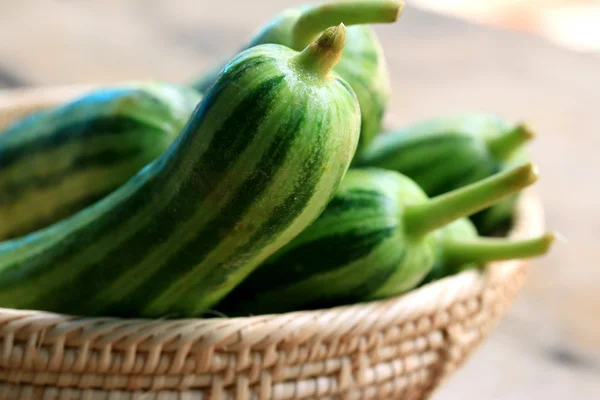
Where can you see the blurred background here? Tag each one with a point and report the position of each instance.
(532, 60)
(569, 23)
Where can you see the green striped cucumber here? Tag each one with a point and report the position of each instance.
(256, 163)
(377, 238)
(449, 152)
(363, 64)
(460, 248)
(58, 161)
(366, 70)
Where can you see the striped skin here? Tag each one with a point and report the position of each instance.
(356, 250)
(255, 164)
(445, 153)
(56, 162)
(363, 66)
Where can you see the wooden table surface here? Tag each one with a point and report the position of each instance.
(548, 347)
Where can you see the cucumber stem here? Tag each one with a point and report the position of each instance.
(508, 142)
(316, 18)
(420, 219)
(324, 53)
(484, 250)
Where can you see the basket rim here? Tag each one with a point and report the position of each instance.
(425, 300)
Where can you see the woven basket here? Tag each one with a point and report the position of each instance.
(401, 348)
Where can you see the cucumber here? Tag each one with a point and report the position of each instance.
(377, 238)
(448, 152)
(58, 161)
(460, 248)
(363, 64)
(258, 160)
(365, 68)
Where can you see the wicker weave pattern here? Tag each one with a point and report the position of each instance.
(399, 348)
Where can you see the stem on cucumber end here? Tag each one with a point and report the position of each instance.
(324, 53)
(505, 144)
(420, 219)
(483, 250)
(350, 12)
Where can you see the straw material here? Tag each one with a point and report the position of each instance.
(403, 347)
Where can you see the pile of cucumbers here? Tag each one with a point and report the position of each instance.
(268, 184)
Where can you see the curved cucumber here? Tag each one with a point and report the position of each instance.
(256, 163)
(365, 68)
(445, 153)
(377, 238)
(363, 64)
(461, 248)
(56, 162)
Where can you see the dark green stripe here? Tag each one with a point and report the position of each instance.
(74, 132)
(12, 192)
(234, 123)
(450, 170)
(246, 118)
(234, 71)
(59, 213)
(293, 205)
(361, 292)
(390, 150)
(435, 157)
(456, 179)
(355, 199)
(107, 222)
(480, 173)
(321, 256)
(377, 280)
(229, 143)
(416, 141)
(284, 213)
(109, 219)
(269, 296)
(222, 225)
